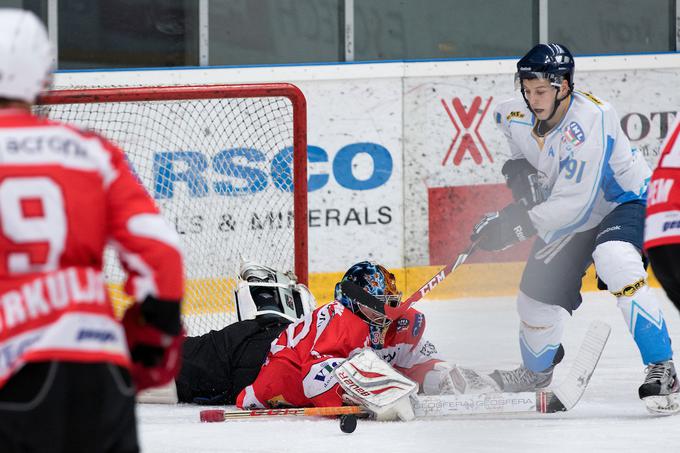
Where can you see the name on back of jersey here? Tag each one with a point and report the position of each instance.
(659, 191)
(36, 144)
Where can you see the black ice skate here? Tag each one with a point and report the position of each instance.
(522, 379)
(660, 391)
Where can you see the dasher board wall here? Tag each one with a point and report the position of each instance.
(405, 157)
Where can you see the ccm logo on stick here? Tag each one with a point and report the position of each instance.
(434, 281)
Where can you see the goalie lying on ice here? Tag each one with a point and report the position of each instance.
(366, 314)
(299, 345)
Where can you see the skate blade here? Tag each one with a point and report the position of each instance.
(663, 404)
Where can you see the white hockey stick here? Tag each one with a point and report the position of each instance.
(561, 398)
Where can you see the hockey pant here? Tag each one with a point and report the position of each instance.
(68, 407)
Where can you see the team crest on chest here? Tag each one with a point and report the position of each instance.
(573, 135)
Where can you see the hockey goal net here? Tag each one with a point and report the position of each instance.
(227, 166)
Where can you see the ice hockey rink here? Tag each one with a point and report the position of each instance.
(479, 333)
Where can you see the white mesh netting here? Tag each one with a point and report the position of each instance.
(221, 172)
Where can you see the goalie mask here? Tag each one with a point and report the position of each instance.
(370, 291)
(266, 292)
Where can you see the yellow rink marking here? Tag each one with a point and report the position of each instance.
(215, 295)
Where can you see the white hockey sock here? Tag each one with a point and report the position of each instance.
(540, 332)
(645, 322)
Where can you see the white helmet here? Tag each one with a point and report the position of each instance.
(26, 56)
(263, 291)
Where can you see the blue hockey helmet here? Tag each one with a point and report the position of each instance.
(370, 291)
(552, 62)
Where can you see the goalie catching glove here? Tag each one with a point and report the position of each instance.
(154, 337)
(370, 382)
(500, 230)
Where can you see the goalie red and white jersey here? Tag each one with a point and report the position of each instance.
(64, 194)
(662, 225)
(298, 369)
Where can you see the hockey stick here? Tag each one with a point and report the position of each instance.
(561, 398)
(438, 278)
(219, 415)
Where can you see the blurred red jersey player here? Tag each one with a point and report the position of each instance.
(67, 365)
(662, 227)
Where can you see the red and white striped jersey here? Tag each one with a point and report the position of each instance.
(65, 194)
(298, 369)
(662, 225)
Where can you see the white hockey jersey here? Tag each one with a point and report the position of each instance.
(585, 163)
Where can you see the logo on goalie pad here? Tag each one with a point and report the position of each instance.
(350, 384)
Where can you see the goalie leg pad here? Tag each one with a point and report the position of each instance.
(371, 382)
(540, 332)
(619, 265)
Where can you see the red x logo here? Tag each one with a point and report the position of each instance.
(467, 118)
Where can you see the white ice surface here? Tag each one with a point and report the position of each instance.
(478, 333)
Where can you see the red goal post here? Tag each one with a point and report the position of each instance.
(227, 164)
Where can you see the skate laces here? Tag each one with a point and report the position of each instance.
(520, 375)
(656, 372)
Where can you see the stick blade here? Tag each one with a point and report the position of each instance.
(570, 391)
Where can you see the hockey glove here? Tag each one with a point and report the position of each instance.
(154, 337)
(522, 179)
(500, 230)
